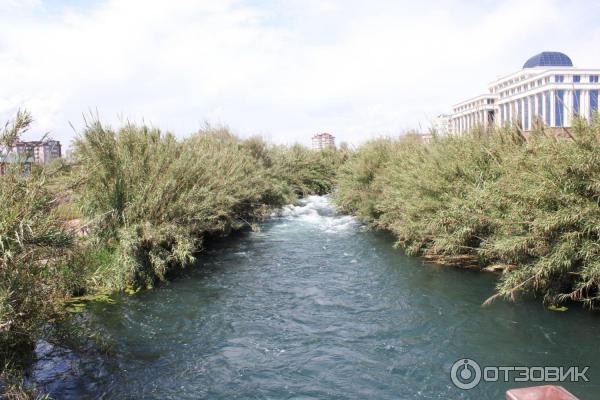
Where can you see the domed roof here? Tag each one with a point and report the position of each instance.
(549, 59)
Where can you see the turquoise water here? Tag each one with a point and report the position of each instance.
(314, 306)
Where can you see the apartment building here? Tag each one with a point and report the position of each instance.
(322, 141)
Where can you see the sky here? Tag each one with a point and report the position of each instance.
(281, 69)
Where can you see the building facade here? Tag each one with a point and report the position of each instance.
(42, 152)
(548, 90)
(322, 141)
(442, 124)
(479, 111)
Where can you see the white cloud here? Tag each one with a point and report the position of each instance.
(12, 5)
(286, 69)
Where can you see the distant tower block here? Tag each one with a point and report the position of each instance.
(323, 141)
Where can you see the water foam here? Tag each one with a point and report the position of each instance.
(317, 210)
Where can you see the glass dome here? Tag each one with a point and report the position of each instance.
(549, 59)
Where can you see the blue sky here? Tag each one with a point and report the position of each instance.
(283, 69)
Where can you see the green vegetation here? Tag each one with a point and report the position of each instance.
(305, 171)
(528, 208)
(153, 199)
(36, 252)
(136, 204)
(133, 205)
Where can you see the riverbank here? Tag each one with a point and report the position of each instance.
(528, 208)
(146, 199)
(315, 305)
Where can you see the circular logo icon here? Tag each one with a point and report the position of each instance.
(465, 374)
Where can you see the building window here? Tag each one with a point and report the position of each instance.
(559, 78)
(559, 99)
(593, 102)
(593, 78)
(576, 101)
(576, 78)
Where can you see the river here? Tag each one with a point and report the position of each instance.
(315, 306)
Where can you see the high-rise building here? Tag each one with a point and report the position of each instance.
(42, 152)
(548, 89)
(322, 141)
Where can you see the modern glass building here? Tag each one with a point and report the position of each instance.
(548, 90)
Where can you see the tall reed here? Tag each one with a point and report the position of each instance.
(152, 198)
(529, 208)
(35, 252)
(133, 205)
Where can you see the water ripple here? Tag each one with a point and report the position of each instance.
(315, 307)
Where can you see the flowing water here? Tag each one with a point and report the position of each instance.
(314, 306)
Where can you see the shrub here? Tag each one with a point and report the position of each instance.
(357, 192)
(529, 208)
(35, 252)
(306, 171)
(152, 198)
